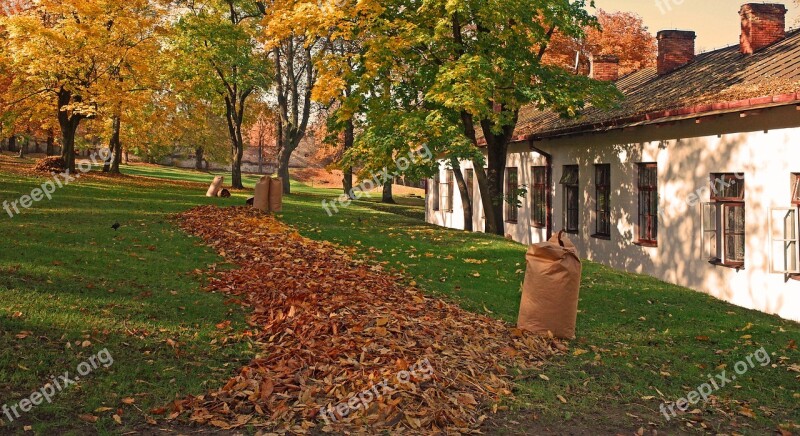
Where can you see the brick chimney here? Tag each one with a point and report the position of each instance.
(604, 67)
(762, 25)
(675, 49)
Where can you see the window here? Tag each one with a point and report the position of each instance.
(648, 204)
(724, 221)
(435, 192)
(785, 244)
(512, 189)
(796, 188)
(571, 198)
(447, 191)
(603, 197)
(539, 197)
(469, 180)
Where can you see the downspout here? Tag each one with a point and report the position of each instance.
(548, 158)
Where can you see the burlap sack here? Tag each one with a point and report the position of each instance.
(261, 197)
(276, 194)
(551, 288)
(216, 185)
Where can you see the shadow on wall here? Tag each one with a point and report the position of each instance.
(684, 168)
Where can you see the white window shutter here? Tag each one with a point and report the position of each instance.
(784, 230)
(710, 231)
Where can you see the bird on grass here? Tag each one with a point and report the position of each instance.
(115, 226)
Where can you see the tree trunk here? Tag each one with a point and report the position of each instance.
(198, 158)
(466, 201)
(387, 193)
(22, 147)
(69, 126)
(51, 146)
(236, 167)
(495, 182)
(283, 169)
(116, 146)
(349, 139)
(12, 143)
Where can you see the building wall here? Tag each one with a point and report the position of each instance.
(764, 147)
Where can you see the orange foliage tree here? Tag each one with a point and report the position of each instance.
(620, 33)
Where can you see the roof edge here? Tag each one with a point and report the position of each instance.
(664, 116)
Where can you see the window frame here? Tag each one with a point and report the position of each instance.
(602, 187)
(736, 179)
(449, 179)
(435, 191)
(648, 237)
(722, 204)
(795, 189)
(539, 196)
(567, 188)
(512, 188)
(785, 240)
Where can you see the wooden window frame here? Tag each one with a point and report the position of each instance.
(539, 197)
(722, 204)
(731, 180)
(435, 191)
(647, 224)
(512, 188)
(796, 189)
(602, 188)
(571, 186)
(449, 178)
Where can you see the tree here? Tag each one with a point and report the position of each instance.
(460, 73)
(70, 55)
(296, 35)
(622, 34)
(220, 35)
(261, 128)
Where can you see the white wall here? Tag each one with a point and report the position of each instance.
(684, 163)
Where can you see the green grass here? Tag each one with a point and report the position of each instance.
(67, 277)
(641, 341)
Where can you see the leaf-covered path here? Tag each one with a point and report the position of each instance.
(340, 336)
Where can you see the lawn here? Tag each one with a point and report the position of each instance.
(71, 286)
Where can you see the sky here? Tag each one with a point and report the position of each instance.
(715, 21)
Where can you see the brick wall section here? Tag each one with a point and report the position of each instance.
(605, 68)
(675, 49)
(762, 25)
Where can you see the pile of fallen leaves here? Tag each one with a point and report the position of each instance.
(332, 326)
(49, 165)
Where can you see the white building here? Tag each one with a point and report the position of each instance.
(695, 179)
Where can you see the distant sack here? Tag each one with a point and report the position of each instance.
(215, 187)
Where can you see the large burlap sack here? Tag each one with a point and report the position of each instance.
(276, 194)
(551, 288)
(215, 187)
(261, 197)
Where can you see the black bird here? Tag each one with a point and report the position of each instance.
(115, 226)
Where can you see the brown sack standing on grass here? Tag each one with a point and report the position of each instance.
(215, 187)
(550, 291)
(276, 194)
(262, 195)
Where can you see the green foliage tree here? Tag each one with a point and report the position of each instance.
(219, 37)
(466, 69)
